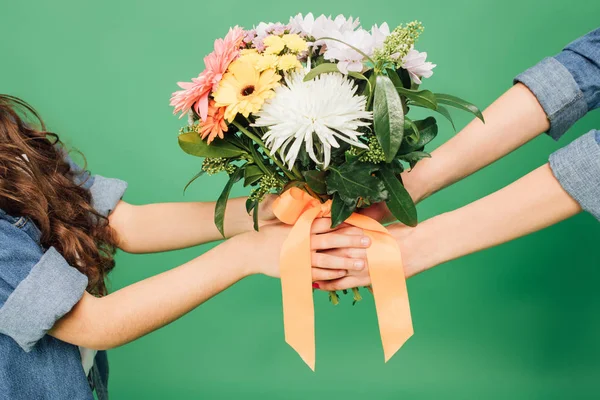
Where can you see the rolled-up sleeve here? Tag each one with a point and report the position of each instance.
(577, 168)
(38, 288)
(106, 193)
(567, 85)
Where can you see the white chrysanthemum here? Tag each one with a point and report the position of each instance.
(414, 62)
(323, 110)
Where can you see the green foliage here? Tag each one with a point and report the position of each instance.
(388, 117)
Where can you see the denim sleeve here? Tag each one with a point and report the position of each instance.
(577, 168)
(36, 288)
(106, 192)
(567, 85)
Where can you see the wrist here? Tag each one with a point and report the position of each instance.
(423, 247)
(243, 247)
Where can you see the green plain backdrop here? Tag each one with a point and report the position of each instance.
(519, 321)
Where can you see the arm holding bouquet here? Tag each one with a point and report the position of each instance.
(569, 183)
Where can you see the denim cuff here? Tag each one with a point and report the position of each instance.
(50, 291)
(106, 193)
(558, 93)
(577, 168)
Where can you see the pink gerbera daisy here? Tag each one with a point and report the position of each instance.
(195, 93)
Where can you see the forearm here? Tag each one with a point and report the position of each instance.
(511, 121)
(138, 309)
(532, 203)
(169, 226)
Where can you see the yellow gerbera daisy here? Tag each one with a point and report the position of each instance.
(295, 43)
(243, 90)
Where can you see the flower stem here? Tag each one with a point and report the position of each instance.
(265, 148)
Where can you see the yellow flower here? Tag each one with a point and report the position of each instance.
(243, 90)
(251, 56)
(267, 61)
(274, 44)
(288, 62)
(295, 43)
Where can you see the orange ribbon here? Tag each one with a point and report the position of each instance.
(298, 208)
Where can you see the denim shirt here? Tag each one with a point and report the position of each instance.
(37, 288)
(568, 86)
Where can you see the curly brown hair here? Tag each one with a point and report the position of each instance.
(37, 182)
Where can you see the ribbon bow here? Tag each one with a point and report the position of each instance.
(298, 208)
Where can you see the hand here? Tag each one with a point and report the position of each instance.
(379, 212)
(360, 277)
(264, 249)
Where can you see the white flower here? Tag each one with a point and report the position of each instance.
(414, 63)
(345, 30)
(318, 27)
(325, 109)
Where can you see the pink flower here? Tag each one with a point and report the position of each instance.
(414, 62)
(195, 93)
(214, 125)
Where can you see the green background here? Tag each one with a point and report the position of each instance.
(519, 321)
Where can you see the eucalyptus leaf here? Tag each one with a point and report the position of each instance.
(388, 117)
(340, 210)
(223, 198)
(459, 103)
(252, 174)
(192, 144)
(399, 201)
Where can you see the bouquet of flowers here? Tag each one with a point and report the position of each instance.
(321, 104)
(317, 106)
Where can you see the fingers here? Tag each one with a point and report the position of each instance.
(329, 261)
(336, 240)
(323, 225)
(347, 282)
(320, 274)
(347, 253)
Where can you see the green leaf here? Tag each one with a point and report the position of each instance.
(252, 174)
(357, 75)
(388, 117)
(424, 98)
(355, 180)
(443, 111)
(459, 103)
(404, 78)
(255, 217)
(409, 126)
(316, 180)
(198, 175)
(192, 144)
(414, 157)
(250, 204)
(321, 69)
(222, 201)
(340, 210)
(428, 130)
(399, 201)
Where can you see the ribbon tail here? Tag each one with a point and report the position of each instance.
(296, 287)
(389, 285)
